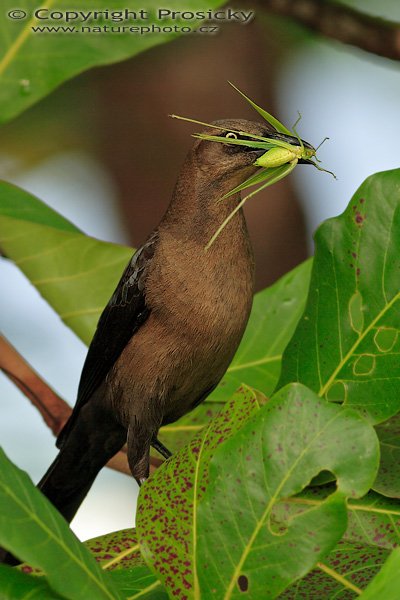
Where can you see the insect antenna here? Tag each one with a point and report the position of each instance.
(320, 144)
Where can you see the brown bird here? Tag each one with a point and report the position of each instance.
(172, 326)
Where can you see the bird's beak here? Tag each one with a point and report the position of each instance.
(258, 152)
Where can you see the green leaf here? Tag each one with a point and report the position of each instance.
(387, 583)
(119, 554)
(33, 64)
(18, 204)
(75, 273)
(138, 582)
(33, 530)
(372, 520)
(342, 574)
(346, 346)
(15, 585)
(167, 506)
(178, 434)
(119, 549)
(387, 481)
(275, 455)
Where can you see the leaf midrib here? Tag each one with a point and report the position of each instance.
(269, 507)
(20, 40)
(57, 540)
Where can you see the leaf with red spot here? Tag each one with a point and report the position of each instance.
(119, 549)
(167, 505)
(274, 456)
(119, 554)
(387, 481)
(343, 574)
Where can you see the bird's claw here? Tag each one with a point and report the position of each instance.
(157, 445)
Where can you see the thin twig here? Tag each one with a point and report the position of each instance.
(54, 410)
(342, 23)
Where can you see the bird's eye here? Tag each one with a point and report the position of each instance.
(232, 136)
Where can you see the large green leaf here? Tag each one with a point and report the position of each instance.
(167, 506)
(346, 346)
(33, 64)
(15, 585)
(33, 530)
(20, 205)
(75, 273)
(274, 456)
(182, 519)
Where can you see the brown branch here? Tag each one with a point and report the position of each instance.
(342, 23)
(54, 410)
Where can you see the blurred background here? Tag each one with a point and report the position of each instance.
(102, 151)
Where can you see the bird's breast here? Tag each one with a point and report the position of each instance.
(199, 304)
(203, 292)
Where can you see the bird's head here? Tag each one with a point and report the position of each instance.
(234, 163)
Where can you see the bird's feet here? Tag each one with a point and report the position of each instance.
(157, 445)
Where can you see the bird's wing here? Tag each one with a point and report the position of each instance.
(124, 314)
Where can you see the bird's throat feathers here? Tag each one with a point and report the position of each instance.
(197, 207)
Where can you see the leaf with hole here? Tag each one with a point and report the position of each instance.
(372, 520)
(274, 456)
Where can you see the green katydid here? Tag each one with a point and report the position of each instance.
(280, 158)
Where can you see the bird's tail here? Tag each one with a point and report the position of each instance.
(89, 446)
(65, 496)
